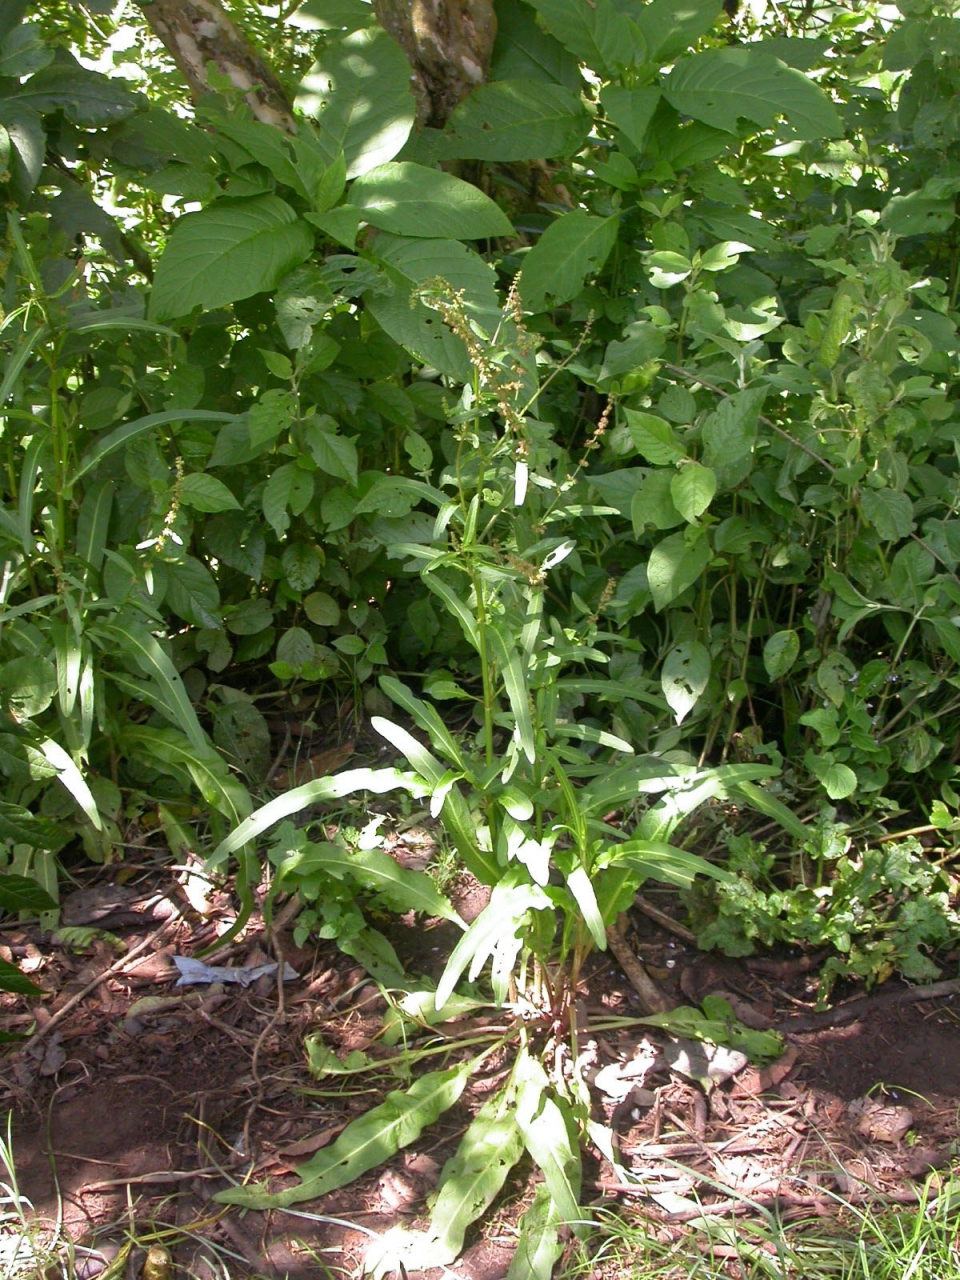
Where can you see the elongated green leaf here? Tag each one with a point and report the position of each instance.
(471, 1180)
(15, 364)
(229, 251)
(500, 919)
(359, 95)
(770, 807)
(570, 249)
(403, 889)
(375, 952)
(539, 1245)
(92, 524)
(578, 882)
(365, 1143)
(596, 32)
(665, 862)
(154, 662)
(725, 85)
(425, 715)
(515, 684)
(515, 120)
(172, 752)
(69, 774)
(130, 430)
(455, 606)
(69, 654)
(427, 765)
(546, 1137)
(311, 793)
(412, 200)
(29, 470)
(21, 826)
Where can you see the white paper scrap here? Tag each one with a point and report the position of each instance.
(195, 972)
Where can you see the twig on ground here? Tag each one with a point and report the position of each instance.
(651, 997)
(112, 971)
(661, 918)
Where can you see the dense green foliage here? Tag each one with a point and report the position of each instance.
(615, 423)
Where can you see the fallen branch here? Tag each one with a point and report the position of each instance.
(853, 1010)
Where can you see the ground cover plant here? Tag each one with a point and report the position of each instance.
(582, 423)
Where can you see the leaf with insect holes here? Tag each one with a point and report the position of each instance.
(684, 677)
(780, 653)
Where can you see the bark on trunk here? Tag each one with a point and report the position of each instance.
(448, 44)
(198, 32)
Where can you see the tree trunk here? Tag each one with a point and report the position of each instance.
(198, 32)
(448, 44)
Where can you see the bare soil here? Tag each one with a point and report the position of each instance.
(145, 1098)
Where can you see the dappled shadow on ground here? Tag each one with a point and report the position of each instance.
(157, 1096)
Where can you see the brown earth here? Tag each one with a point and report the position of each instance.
(125, 1107)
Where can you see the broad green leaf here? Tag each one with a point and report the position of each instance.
(515, 120)
(631, 110)
(289, 489)
(539, 1244)
(674, 566)
(229, 251)
(838, 780)
(333, 453)
(547, 1138)
(22, 827)
(375, 952)
(672, 26)
(192, 593)
(729, 435)
(684, 677)
(524, 51)
(780, 652)
(722, 86)
(692, 490)
(653, 438)
(332, 15)
(516, 685)
(11, 979)
(474, 1176)
(20, 893)
(359, 95)
(652, 504)
(27, 145)
(409, 321)
(365, 1143)
(596, 32)
(206, 493)
(573, 247)
(27, 686)
(578, 882)
(85, 97)
(889, 511)
(411, 200)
